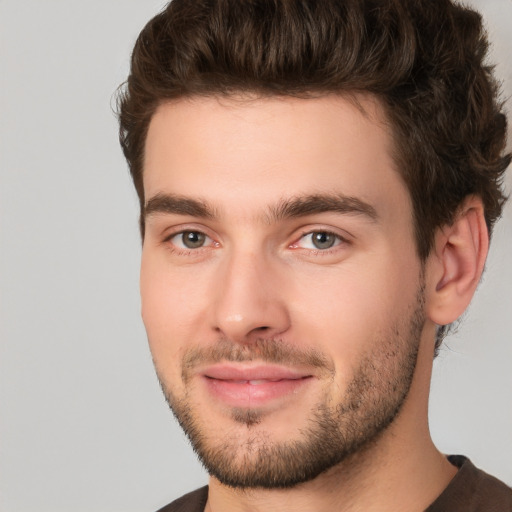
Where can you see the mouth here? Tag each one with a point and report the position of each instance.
(249, 387)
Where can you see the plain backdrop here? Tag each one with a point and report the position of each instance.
(83, 424)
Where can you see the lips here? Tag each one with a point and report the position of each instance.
(252, 373)
(240, 386)
(257, 382)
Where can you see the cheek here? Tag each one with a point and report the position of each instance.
(171, 302)
(347, 310)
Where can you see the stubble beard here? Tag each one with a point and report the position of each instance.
(335, 433)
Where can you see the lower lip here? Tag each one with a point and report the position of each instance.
(245, 394)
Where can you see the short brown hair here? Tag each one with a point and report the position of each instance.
(424, 60)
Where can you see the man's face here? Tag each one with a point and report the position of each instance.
(281, 291)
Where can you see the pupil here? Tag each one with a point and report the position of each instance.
(193, 239)
(322, 240)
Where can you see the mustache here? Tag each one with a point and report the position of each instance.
(272, 351)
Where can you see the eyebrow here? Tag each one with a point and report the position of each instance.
(178, 205)
(321, 203)
(300, 206)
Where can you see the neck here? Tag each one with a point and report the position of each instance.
(398, 483)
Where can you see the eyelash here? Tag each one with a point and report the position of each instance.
(187, 250)
(339, 240)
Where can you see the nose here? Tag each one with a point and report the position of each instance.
(249, 299)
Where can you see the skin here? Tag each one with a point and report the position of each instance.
(260, 276)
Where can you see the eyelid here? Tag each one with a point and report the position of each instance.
(341, 239)
(181, 244)
(184, 228)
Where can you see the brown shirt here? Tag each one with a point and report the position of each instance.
(471, 490)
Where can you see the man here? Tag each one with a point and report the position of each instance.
(318, 182)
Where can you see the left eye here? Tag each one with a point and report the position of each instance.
(190, 240)
(319, 240)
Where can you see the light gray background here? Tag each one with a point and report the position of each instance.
(83, 425)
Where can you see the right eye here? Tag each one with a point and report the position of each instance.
(190, 240)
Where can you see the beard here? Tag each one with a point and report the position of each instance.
(248, 457)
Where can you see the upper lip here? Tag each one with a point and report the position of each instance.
(247, 373)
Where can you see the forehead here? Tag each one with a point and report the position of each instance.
(265, 149)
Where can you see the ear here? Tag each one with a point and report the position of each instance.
(456, 264)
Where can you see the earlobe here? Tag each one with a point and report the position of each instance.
(457, 263)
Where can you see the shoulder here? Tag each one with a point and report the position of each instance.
(194, 501)
(473, 490)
